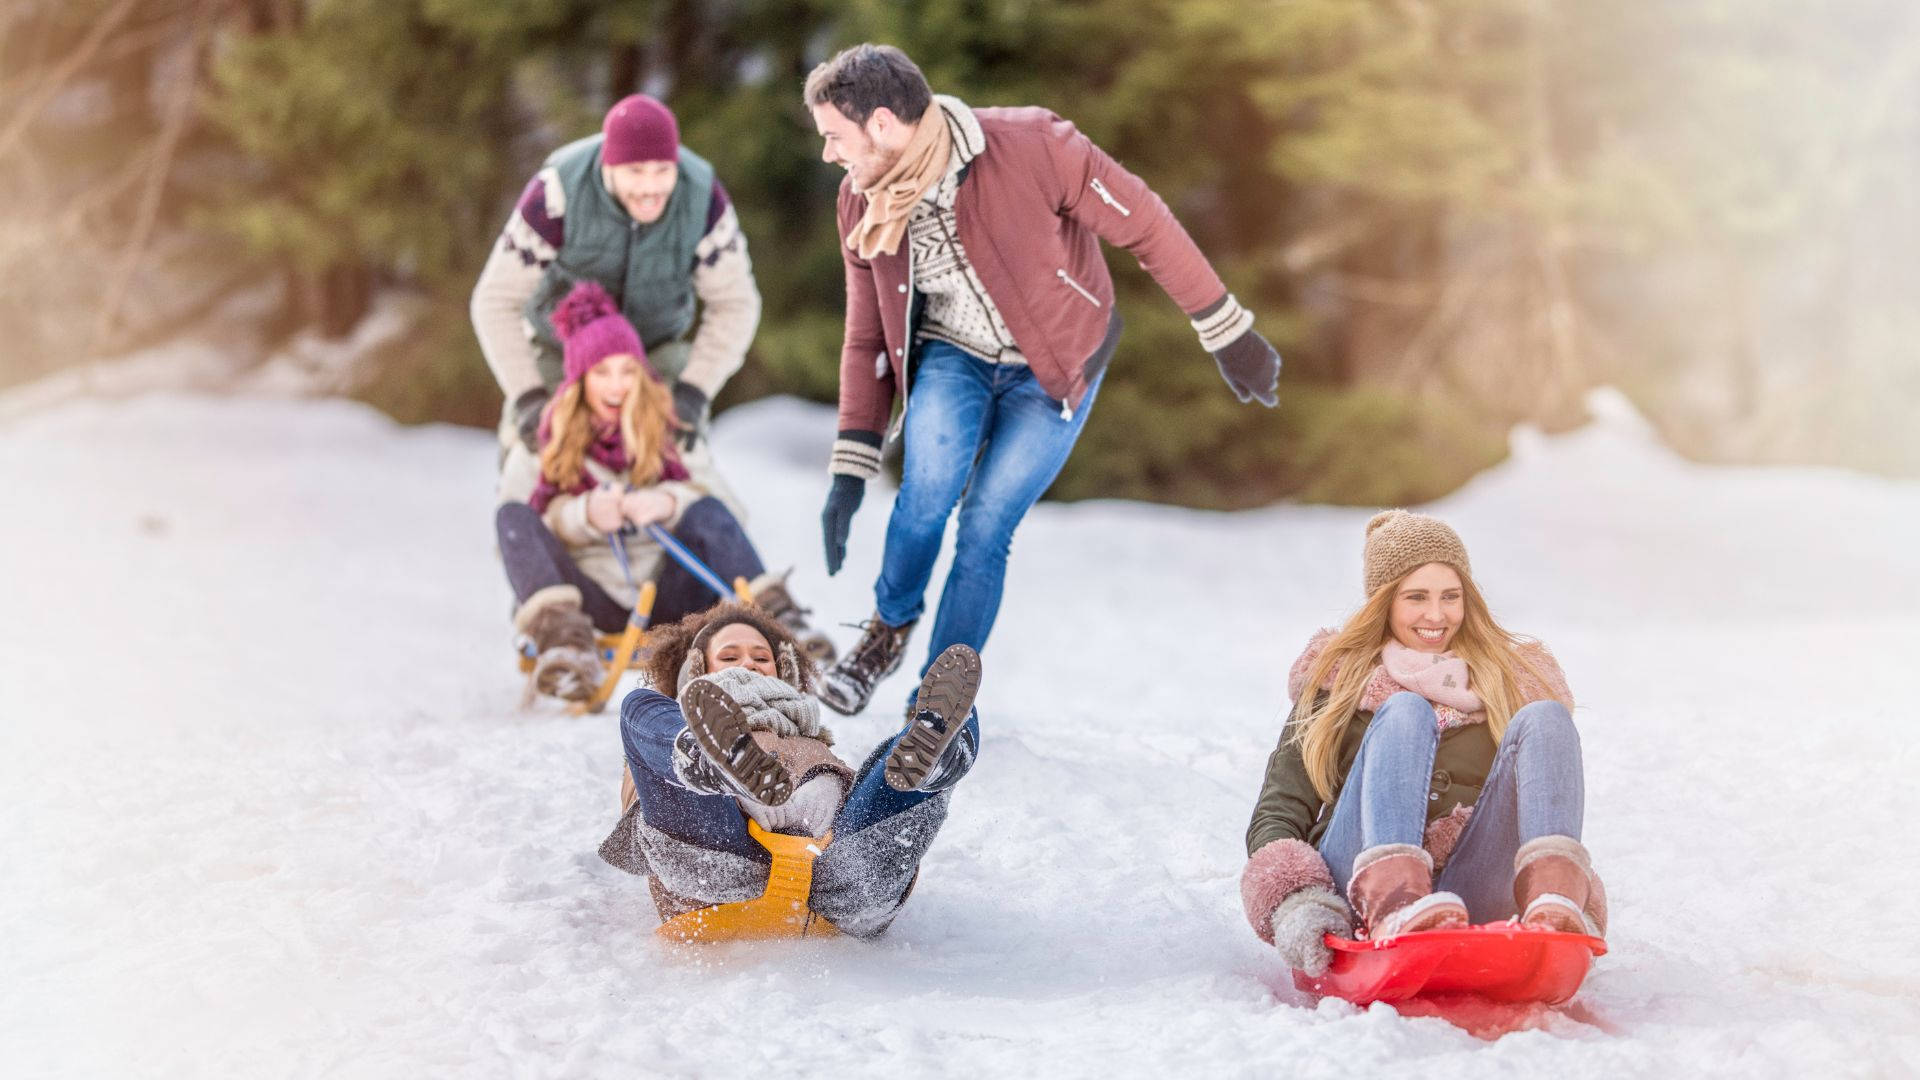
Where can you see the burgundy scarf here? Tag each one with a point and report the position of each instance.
(608, 449)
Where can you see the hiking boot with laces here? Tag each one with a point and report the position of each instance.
(848, 685)
(771, 595)
(919, 758)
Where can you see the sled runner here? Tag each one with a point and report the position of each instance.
(780, 912)
(1500, 961)
(618, 652)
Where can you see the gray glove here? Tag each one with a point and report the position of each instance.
(1300, 922)
(690, 406)
(809, 811)
(526, 415)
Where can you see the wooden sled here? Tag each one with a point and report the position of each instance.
(618, 652)
(780, 912)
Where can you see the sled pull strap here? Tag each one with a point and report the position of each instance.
(690, 561)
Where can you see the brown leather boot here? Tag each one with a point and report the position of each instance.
(1392, 890)
(1554, 887)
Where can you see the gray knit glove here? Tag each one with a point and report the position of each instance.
(1302, 920)
(690, 407)
(809, 811)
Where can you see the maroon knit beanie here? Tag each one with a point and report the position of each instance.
(591, 329)
(639, 128)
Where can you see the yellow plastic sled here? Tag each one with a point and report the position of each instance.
(780, 912)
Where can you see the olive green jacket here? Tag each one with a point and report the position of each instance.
(1289, 808)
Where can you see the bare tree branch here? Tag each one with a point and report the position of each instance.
(23, 117)
(179, 111)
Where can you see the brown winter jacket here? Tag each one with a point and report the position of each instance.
(1031, 210)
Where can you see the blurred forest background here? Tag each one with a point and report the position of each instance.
(1450, 215)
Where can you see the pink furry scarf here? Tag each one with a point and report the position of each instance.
(1382, 685)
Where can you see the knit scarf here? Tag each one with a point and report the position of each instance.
(610, 451)
(890, 201)
(1425, 674)
(771, 704)
(1439, 677)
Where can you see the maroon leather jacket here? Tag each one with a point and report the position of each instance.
(1031, 210)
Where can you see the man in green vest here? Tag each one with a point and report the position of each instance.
(645, 217)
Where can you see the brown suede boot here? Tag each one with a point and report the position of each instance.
(566, 650)
(1554, 887)
(1392, 890)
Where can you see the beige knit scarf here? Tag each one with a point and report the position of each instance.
(889, 202)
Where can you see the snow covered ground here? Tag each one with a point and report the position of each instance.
(271, 809)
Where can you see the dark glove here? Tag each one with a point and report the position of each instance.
(842, 500)
(1251, 367)
(526, 415)
(690, 405)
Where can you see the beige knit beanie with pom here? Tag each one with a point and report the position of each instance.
(1400, 541)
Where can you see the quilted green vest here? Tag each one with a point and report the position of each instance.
(648, 268)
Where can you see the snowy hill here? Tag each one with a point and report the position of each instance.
(272, 809)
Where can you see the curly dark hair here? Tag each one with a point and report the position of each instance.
(670, 643)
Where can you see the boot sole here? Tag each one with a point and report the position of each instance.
(947, 691)
(719, 725)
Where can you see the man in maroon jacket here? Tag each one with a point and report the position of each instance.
(977, 295)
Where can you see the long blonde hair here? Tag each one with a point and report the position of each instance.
(646, 418)
(1494, 656)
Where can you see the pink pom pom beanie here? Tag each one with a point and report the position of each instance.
(591, 329)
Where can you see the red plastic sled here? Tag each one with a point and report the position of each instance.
(1499, 961)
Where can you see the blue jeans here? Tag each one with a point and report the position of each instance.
(1535, 788)
(990, 433)
(648, 723)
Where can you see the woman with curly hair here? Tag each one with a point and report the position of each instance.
(730, 730)
(609, 467)
(1429, 775)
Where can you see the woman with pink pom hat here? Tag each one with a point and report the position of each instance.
(609, 465)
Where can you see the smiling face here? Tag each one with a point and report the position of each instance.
(643, 187)
(608, 385)
(867, 151)
(740, 645)
(1428, 606)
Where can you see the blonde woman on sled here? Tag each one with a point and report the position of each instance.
(726, 750)
(1429, 775)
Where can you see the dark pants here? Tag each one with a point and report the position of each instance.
(536, 559)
